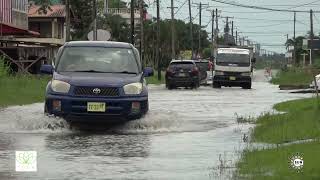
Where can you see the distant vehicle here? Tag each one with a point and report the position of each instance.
(203, 66)
(97, 79)
(182, 73)
(233, 67)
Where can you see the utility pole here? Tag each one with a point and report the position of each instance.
(132, 21)
(213, 34)
(158, 41)
(94, 20)
(200, 10)
(67, 20)
(294, 38)
(191, 31)
(173, 51)
(232, 28)
(236, 38)
(227, 22)
(311, 37)
(217, 28)
(217, 22)
(311, 54)
(200, 16)
(141, 32)
(227, 26)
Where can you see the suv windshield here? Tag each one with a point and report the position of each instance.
(233, 58)
(97, 59)
(182, 65)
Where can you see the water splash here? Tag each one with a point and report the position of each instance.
(31, 119)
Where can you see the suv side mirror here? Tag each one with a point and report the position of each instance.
(46, 69)
(148, 71)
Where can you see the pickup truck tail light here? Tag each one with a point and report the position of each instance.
(195, 71)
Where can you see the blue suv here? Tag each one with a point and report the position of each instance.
(104, 80)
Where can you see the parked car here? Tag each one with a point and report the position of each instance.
(97, 79)
(182, 73)
(203, 66)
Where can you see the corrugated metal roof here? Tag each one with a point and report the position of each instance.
(56, 11)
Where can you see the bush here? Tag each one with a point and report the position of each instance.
(294, 76)
(4, 67)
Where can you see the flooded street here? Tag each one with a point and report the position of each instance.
(182, 137)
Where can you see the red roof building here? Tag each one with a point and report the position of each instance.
(49, 24)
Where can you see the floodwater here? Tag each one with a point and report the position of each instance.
(187, 134)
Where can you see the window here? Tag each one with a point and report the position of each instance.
(110, 60)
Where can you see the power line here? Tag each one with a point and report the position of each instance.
(279, 20)
(246, 12)
(300, 5)
(269, 32)
(180, 7)
(261, 8)
(269, 25)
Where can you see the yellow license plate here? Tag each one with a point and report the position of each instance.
(232, 78)
(96, 107)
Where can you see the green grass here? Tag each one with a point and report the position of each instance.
(19, 90)
(273, 163)
(300, 122)
(154, 79)
(294, 76)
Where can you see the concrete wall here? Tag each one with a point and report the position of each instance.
(20, 19)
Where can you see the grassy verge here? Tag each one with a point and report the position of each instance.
(300, 122)
(273, 163)
(293, 76)
(19, 90)
(154, 79)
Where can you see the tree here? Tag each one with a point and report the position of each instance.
(44, 5)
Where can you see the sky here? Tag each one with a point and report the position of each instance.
(269, 28)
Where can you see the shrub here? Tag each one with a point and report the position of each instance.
(4, 67)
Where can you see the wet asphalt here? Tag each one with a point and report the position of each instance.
(187, 134)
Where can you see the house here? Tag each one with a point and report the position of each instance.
(49, 25)
(27, 37)
(125, 13)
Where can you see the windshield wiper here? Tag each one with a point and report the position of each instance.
(93, 71)
(126, 72)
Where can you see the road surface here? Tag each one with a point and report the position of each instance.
(187, 134)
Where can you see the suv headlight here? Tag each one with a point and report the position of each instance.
(60, 86)
(133, 88)
(246, 74)
(219, 73)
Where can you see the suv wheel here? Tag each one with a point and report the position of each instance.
(169, 86)
(247, 86)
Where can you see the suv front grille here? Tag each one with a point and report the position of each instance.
(89, 91)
